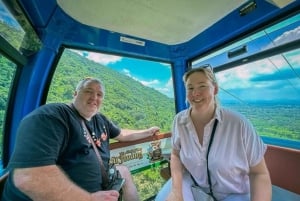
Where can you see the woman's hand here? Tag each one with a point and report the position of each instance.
(174, 196)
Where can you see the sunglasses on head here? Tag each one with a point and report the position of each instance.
(206, 66)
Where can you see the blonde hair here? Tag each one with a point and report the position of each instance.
(208, 72)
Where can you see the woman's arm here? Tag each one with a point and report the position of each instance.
(176, 173)
(260, 182)
(49, 183)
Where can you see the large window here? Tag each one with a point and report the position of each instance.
(6, 78)
(17, 31)
(138, 94)
(11, 37)
(269, 38)
(267, 90)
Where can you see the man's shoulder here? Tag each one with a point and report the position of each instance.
(51, 109)
(54, 105)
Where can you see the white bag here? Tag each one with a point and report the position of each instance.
(200, 195)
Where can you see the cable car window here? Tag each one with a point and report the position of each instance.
(276, 35)
(267, 92)
(138, 94)
(17, 30)
(8, 69)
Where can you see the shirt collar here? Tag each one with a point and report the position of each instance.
(185, 117)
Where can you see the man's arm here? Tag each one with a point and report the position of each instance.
(131, 135)
(260, 182)
(49, 183)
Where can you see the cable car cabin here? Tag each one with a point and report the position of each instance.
(140, 50)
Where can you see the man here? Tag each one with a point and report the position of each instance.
(54, 159)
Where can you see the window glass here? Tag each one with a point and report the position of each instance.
(267, 92)
(138, 94)
(17, 30)
(278, 34)
(6, 78)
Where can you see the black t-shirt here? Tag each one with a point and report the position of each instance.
(53, 135)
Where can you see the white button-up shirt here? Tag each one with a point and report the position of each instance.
(235, 148)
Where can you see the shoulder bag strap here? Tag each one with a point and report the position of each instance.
(102, 167)
(103, 172)
(209, 145)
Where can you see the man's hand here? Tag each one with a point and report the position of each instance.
(111, 195)
(154, 130)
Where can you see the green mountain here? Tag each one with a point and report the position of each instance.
(127, 102)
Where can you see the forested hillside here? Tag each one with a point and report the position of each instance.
(127, 102)
(6, 75)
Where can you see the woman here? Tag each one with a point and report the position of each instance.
(236, 162)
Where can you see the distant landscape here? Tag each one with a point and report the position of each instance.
(279, 120)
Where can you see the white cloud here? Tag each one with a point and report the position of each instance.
(103, 59)
(170, 83)
(165, 65)
(143, 82)
(127, 72)
(288, 36)
(155, 84)
(167, 89)
(149, 83)
(240, 77)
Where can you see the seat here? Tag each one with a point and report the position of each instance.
(278, 194)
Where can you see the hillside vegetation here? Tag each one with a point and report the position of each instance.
(127, 102)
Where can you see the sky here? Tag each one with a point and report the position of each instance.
(269, 80)
(276, 78)
(260, 80)
(149, 73)
(6, 16)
